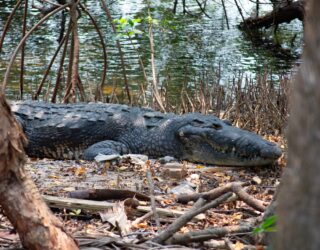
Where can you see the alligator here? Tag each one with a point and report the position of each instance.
(82, 131)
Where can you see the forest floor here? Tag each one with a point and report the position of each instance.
(131, 217)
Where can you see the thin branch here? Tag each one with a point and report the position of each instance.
(60, 69)
(248, 199)
(185, 218)
(24, 28)
(207, 234)
(22, 41)
(153, 201)
(104, 50)
(225, 14)
(7, 24)
(36, 96)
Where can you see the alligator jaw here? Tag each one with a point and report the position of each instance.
(228, 145)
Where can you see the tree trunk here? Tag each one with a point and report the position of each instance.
(36, 225)
(282, 14)
(299, 196)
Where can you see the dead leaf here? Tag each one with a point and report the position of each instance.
(143, 225)
(80, 171)
(238, 245)
(53, 176)
(257, 180)
(117, 217)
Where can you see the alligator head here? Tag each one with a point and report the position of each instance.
(210, 140)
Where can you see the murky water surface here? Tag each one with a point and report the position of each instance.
(187, 46)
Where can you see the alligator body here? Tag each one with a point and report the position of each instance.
(71, 131)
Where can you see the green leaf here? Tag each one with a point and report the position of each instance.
(137, 20)
(268, 225)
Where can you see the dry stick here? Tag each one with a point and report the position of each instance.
(153, 66)
(228, 244)
(104, 50)
(35, 97)
(62, 26)
(248, 199)
(207, 234)
(60, 69)
(142, 219)
(22, 41)
(225, 14)
(7, 24)
(210, 195)
(24, 28)
(184, 219)
(153, 200)
(106, 10)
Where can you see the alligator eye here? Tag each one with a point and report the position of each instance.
(227, 122)
(216, 126)
(197, 122)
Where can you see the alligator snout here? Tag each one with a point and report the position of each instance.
(271, 151)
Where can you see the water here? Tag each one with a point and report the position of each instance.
(186, 46)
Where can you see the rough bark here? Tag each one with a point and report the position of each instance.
(283, 14)
(37, 227)
(299, 195)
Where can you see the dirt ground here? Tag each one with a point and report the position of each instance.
(115, 228)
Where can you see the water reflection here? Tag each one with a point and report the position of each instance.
(186, 45)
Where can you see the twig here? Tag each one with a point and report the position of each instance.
(24, 28)
(35, 97)
(228, 244)
(210, 195)
(142, 219)
(60, 69)
(248, 199)
(207, 234)
(153, 200)
(7, 24)
(184, 219)
(104, 50)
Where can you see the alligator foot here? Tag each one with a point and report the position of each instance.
(107, 147)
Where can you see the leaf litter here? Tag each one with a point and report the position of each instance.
(131, 223)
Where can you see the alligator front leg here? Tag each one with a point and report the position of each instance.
(107, 147)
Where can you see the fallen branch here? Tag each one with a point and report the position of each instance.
(163, 212)
(199, 207)
(210, 195)
(207, 234)
(71, 203)
(279, 15)
(153, 200)
(107, 194)
(141, 219)
(248, 199)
